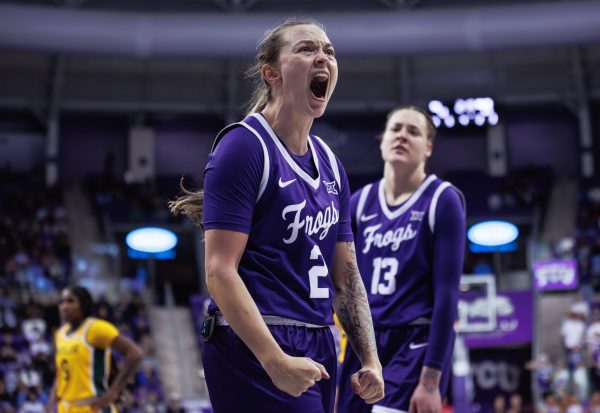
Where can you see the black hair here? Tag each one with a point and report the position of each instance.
(86, 302)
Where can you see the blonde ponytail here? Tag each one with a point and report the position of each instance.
(189, 204)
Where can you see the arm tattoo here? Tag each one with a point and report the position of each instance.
(352, 308)
(430, 379)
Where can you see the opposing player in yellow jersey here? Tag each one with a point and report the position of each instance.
(83, 346)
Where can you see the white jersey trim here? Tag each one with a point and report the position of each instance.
(382, 409)
(434, 201)
(266, 164)
(409, 203)
(332, 161)
(364, 193)
(314, 183)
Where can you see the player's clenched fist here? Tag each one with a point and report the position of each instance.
(295, 375)
(368, 384)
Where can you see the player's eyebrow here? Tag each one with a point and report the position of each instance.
(314, 43)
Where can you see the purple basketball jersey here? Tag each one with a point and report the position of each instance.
(395, 267)
(296, 223)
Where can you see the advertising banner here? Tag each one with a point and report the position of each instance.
(514, 318)
(555, 275)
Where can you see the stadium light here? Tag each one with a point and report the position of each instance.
(151, 240)
(493, 233)
(468, 111)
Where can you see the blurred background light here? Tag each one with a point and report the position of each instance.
(151, 239)
(493, 233)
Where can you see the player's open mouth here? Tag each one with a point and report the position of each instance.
(318, 85)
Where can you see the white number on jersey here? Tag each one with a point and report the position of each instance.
(315, 272)
(388, 285)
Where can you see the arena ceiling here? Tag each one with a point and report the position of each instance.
(287, 6)
(65, 80)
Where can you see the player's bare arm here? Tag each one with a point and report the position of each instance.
(293, 375)
(426, 397)
(132, 355)
(352, 307)
(52, 400)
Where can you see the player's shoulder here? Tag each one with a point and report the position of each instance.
(447, 204)
(98, 324)
(238, 146)
(238, 134)
(364, 198)
(371, 186)
(450, 193)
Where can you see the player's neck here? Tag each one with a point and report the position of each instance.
(74, 325)
(289, 126)
(399, 185)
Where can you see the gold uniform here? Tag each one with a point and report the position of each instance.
(83, 364)
(343, 339)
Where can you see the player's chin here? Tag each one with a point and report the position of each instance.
(318, 111)
(317, 107)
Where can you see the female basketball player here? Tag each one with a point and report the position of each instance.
(409, 231)
(83, 345)
(279, 250)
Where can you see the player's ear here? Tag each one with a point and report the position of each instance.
(428, 149)
(270, 74)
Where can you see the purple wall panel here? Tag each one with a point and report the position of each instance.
(85, 143)
(543, 138)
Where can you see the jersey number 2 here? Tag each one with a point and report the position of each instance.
(315, 272)
(388, 285)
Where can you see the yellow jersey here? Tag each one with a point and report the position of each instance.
(343, 339)
(83, 359)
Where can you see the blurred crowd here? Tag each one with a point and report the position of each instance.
(571, 382)
(588, 233)
(26, 359)
(35, 254)
(35, 264)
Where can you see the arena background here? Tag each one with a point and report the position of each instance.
(105, 105)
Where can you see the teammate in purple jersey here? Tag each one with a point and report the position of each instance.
(279, 250)
(409, 232)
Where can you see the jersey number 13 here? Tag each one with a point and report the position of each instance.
(384, 276)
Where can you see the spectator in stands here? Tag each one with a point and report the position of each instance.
(499, 404)
(147, 376)
(549, 404)
(543, 371)
(8, 319)
(5, 396)
(572, 331)
(30, 377)
(515, 404)
(175, 406)
(6, 407)
(33, 326)
(104, 310)
(592, 338)
(594, 402)
(8, 350)
(573, 404)
(580, 306)
(32, 403)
